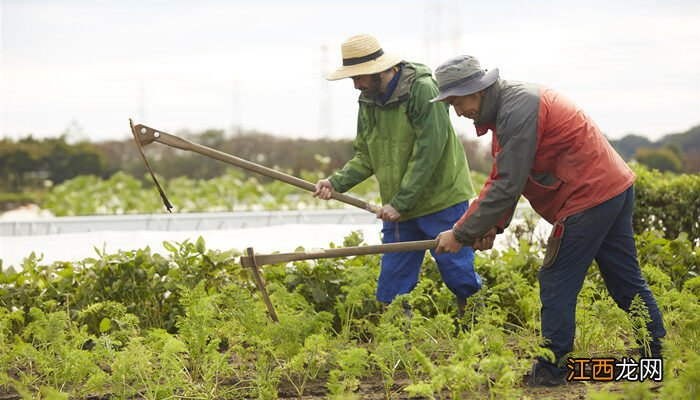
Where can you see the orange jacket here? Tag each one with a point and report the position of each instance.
(545, 148)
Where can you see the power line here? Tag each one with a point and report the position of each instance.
(325, 125)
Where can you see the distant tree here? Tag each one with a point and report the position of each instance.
(293, 155)
(27, 162)
(691, 161)
(17, 161)
(685, 145)
(64, 161)
(628, 145)
(121, 155)
(686, 140)
(479, 158)
(661, 159)
(688, 143)
(675, 148)
(7, 147)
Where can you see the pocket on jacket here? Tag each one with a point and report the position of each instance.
(537, 189)
(544, 181)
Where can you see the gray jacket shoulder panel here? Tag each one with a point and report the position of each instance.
(516, 112)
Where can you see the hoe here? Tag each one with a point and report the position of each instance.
(144, 135)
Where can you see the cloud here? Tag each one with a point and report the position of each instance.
(632, 65)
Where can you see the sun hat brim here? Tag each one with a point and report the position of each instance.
(382, 63)
(470, 87)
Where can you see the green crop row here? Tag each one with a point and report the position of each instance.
(233, 191)
(667, 202)
(191, 324)
(124, 194)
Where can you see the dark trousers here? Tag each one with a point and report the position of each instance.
(603, 233)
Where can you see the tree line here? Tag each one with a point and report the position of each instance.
(32, 164)
(678, 152)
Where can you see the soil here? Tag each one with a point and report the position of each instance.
(373, 389)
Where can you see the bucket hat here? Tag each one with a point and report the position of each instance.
(461, 76)
(362, 55)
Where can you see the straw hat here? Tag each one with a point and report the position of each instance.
(362, 55)
(461, 76)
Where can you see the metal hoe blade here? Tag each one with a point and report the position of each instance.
(143, 138)
(260, 283)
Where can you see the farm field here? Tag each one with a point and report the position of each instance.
(204, 200)
(181, 318)
(189, 323)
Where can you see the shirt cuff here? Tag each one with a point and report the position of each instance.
(396, 207)
(335, 183)
(462, 238)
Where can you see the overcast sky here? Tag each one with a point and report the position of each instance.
(88, 66)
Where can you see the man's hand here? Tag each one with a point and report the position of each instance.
(485, 242)
(388, 213)
(447, 243)
(324, 189)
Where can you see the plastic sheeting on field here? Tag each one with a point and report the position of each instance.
(78, 246)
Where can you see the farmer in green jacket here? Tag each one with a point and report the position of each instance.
(409, 144)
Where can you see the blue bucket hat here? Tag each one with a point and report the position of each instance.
(461, 76)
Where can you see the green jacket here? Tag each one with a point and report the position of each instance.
(410, 146)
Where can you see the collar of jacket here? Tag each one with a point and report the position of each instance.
(391, 86)
(489, 108)
(401, 92)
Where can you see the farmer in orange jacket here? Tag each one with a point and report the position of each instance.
(550, 151)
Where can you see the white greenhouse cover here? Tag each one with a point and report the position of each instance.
(76, 246)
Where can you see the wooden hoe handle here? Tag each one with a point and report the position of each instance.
(146, 135)
(267, 259)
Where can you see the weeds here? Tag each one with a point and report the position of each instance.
(191, 324)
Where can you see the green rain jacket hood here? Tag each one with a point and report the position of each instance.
(410, 146)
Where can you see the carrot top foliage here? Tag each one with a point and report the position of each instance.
(190, 323)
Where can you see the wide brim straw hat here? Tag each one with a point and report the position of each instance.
(462, 76)
(362, 55)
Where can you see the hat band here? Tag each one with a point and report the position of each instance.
(462, 81)
(363, 59)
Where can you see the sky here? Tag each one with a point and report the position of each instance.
(85, 67)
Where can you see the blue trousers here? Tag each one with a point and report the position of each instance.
(399, 271)
(603, 233)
